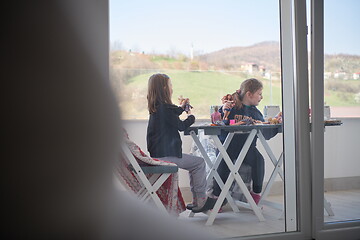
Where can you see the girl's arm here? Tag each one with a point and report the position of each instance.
(182, 125)
(173, 119)
(268, 133)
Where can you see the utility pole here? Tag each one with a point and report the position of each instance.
(271, 100)
(192, 52)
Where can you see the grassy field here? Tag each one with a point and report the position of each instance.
(341, 93)
(207, 88)
(203, 88)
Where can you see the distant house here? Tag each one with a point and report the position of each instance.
(327, 75)
(262, 70)
(251, 67)
(356, 75)
(340, 74)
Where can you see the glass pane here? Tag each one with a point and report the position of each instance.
(342, 96)
(207, 48)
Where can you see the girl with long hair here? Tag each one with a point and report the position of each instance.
(163, 138)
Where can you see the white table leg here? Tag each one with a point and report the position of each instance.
(277, 170)
(213, 167)
(270, 153)
(328, 208)
(241, 183)
(234, 175)
(219, 157)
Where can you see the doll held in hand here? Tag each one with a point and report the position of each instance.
(185, 103)
(228, 102)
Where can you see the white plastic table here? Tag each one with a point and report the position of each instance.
(252, 130)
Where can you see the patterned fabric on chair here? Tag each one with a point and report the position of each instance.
(146, 176)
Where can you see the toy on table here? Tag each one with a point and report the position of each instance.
(276, 120)
(218, 123)
(185, 103)
(215, 116)
(245, 120)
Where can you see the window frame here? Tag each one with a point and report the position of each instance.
(320, 229)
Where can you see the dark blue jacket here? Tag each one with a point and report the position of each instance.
(163, 138)
(238, 140)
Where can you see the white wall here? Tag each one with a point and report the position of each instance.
(342, 148)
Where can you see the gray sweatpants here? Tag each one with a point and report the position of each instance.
(197, 172)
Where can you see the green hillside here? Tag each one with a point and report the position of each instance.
(342, 63)
(206, 78)
(203, 88)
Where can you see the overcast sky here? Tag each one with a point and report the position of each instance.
(208, 25)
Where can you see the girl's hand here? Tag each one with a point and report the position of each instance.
(184, 102)
(279, 117)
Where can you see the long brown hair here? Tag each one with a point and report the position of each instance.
(158, 91)
(249, 85)
(237, 101)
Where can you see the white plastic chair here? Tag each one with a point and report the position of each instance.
(149, 178)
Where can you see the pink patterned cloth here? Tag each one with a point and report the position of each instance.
(169, 193)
